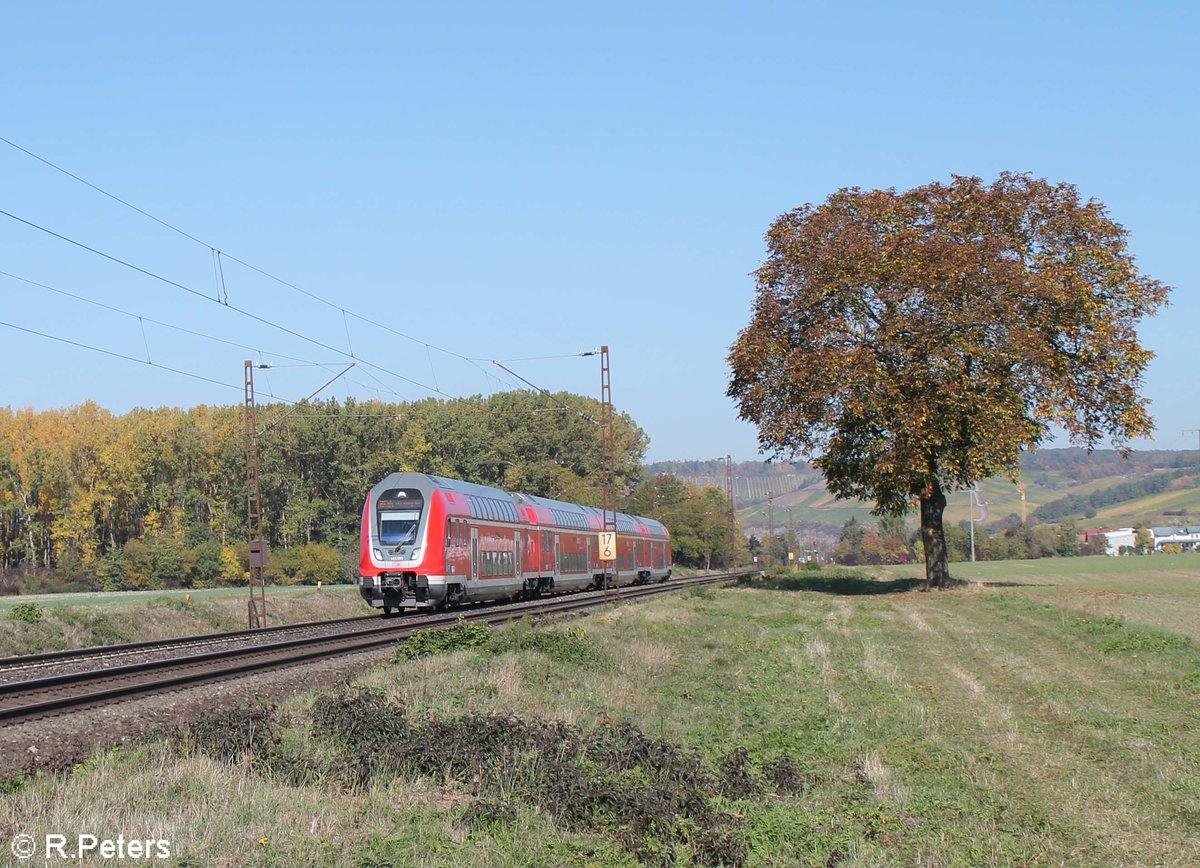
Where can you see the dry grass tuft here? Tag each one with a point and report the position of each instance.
(879, 666)
(652, 657)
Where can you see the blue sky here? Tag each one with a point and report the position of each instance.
(507, 181)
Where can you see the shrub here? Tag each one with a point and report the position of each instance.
(652, 794)
(205, 566)
(29, 613)
(167, 568)
(562, 646)
(304, 565)
(438, 641)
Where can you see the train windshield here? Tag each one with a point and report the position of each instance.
(400, 516)
(398, 528)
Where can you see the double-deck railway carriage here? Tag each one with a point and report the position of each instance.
(431, 541)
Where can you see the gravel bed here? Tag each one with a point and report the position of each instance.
(59, 742)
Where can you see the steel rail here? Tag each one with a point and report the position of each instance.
(166, 674)
(154, 644)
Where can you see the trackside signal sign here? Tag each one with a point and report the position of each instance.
(608, 545)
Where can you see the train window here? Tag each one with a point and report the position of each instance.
(449, 533)
(398, 527)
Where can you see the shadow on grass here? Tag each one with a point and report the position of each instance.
(990, 584)
(845, 585)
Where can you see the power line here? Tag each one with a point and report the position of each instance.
(126, 358)
(305, 399)
(295, 404)
(102, 191)
(232, 307)
(301, 362)
(218, 254)
(539, 358)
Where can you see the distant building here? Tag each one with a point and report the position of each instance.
(1187, 538)
(1115, 538)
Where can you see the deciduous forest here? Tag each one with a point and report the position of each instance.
(156, 497)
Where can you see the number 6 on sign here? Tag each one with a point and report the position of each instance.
(608, 546)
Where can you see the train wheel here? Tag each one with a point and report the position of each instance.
(387, 611)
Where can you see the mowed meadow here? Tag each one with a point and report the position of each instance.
(1045, 714)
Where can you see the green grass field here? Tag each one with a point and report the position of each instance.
(1155, 590)
(1045, 714)
(124, 598)
(78, 620)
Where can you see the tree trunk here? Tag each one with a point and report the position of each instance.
(933, 536)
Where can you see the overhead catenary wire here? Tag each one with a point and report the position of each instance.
(300, 362)
(235, 308)
(117, 355)
(305, 400)
(217, 252)
(540, 358)
(296, 405)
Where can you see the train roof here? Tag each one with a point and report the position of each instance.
(481, 499)
(414, 479)
(591, 517)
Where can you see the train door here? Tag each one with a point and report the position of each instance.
(474, 553)
(520, 564)
(557, 556)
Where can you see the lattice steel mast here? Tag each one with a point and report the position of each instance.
(258, 546)
(731, 557)
(608, 461)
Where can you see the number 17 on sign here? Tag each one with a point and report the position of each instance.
(608, 546)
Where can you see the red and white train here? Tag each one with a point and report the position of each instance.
(429, 541)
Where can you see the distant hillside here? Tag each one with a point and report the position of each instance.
(753, 481)
(1153, 487)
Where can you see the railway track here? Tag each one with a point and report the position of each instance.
(97, 676)
(98, 656)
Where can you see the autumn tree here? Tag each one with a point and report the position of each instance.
(916, 342)
(697, 518)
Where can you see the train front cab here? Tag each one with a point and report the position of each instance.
(396, 556)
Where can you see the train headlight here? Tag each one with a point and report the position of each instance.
(378, 555)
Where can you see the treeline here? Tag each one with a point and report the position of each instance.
(156, 496)
(1087, 504)
(891, 542)
(698, 519)
(1081, 466)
